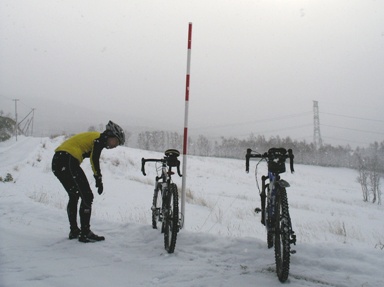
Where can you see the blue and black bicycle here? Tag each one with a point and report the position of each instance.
(274, 206)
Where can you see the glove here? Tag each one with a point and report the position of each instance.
(99, 184)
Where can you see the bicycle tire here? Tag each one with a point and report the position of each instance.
(156, 207)
(270, 239)
(171, 219)
(282, 236)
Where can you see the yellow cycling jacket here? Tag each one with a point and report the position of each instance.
(88, 144)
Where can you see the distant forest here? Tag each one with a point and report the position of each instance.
(371, 157)
(305, 153)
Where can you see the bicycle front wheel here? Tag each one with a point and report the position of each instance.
(282, 236)
(171, 218)
(157, 216)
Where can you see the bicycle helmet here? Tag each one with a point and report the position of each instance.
(115, 130)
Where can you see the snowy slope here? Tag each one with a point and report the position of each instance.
(222, 244)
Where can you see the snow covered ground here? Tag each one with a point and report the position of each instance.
(339, 237)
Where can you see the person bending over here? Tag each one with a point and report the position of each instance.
(66, 167)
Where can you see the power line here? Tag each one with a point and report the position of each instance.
(356, 130)
(348, 141)
(6, 97)
(286, 128)
(351, 117)
(254, 121)
(346, 104)
(264, 131)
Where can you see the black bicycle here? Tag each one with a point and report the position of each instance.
(274, 206)
(165, 204)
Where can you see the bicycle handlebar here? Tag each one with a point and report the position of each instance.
(280, 154)
(162, 160)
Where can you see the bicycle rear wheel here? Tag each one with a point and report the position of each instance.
(171, 218)
(282, 235)
(156, 208)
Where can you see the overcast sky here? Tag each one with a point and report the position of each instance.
(256, 66)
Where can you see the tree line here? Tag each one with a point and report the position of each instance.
(369, 161)
(231, 147)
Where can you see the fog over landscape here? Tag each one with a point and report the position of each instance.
(256, 66)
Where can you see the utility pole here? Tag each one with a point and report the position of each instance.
(33, 116)
(15, 100)
(318, 142)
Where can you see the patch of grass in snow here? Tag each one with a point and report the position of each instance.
(48, 198)
(338, 228)
(8, 178)
(192, 199)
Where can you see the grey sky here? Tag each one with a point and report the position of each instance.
(128, 59)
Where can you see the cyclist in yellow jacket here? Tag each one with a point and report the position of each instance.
(66, 167)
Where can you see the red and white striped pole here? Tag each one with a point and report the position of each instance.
(185, 143)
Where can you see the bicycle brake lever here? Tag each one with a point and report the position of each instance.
(143, 166)
(247, 156)
(178, 170)
(291, 157)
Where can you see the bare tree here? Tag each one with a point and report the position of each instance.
(370, 167)
(92, 129)
(375, 167)
(363, 177)
(127, 137)
(203, 146)
(374, 178)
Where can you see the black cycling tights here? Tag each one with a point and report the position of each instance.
(67, 169)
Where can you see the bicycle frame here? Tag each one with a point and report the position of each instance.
(161, 184)
(272, 189)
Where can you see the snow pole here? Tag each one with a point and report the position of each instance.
(185, 139)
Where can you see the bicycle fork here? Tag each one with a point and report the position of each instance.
(157, 209)
(262, 198)
(267, 214)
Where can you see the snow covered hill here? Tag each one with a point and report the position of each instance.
(339, 237)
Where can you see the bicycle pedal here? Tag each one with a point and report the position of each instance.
(257, 210)
(293, 251)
